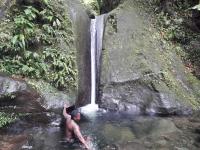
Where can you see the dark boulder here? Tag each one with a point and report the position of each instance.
(140, 72)
(16, 95)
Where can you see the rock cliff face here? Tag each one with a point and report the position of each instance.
(139, 72)
(81, 26)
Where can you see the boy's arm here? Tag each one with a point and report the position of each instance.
(65, 114)
(78, 134)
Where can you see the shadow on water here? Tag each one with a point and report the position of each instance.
(108, 131)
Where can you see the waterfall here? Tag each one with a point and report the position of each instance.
(93, 32)
(96, 30)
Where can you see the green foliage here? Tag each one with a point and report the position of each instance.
(100, 2)
(171, 32)
(7, 96)
(46, 2)
(6, 119)
(93, 6)
(30, 46)
(24, 28)
(62, 65)
(176, 24)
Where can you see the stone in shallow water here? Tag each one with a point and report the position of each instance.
(153, 127)
(12, 142)
(118, 134)
(161, 142)
(182, 148)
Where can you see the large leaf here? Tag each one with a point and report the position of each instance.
(14, 39)
(46, 1)
(22, 39)
(25, 68)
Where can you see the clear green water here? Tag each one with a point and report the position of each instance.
(108, 131)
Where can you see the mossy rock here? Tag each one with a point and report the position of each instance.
(135, 51)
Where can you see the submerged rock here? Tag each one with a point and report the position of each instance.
(13, 142)
(140, 72)
(118, 134)
(143, 133)
(153, 127)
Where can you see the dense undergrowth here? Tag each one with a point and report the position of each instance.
(93, 6)
(179, 34)
(97, 7)
(176, 21)
(36, 41)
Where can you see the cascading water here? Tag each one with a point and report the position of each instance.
(96, 30)
(93, 32)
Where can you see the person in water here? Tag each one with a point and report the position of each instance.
(72, 128)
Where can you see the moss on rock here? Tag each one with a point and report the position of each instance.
(136, 51)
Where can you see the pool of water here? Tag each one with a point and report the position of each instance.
(108, 131)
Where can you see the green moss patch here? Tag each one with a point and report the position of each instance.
(6, 119)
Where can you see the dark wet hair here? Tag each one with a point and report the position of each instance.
(74, 113)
